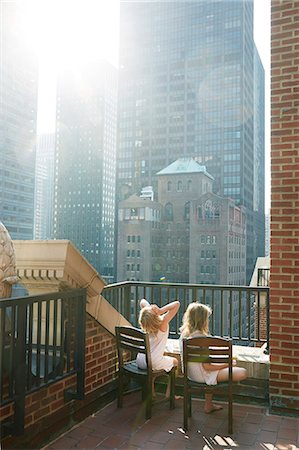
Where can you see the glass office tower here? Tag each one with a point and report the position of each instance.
(187, 89)
(44, 186)
(85, 158)
(18, 111)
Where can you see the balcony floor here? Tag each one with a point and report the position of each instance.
(112, 428)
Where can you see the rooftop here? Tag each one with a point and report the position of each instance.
(184, 165)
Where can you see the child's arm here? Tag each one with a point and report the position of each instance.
(169, 312)
(211, 367)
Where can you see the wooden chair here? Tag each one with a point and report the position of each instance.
(135, 341)
(208, 350)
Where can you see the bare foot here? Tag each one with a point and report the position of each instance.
(176, 397)
(213, 408)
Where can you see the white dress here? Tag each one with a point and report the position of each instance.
(196, 371)
(157, 347)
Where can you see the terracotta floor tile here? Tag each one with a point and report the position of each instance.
(127, 429)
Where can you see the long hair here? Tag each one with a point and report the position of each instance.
(196, 318)
(149, 321)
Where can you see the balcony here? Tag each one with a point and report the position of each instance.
(55, 404)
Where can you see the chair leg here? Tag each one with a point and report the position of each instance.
(186, 409)
(148, 398)
(172, 389)
(120, 390)
(189, 405)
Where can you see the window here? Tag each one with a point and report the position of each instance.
(180, 186)
(187, 211)
(134, 213)
(169, 186)
(168, 212)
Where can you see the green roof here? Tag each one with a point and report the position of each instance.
(184, 165)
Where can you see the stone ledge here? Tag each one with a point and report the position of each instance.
(253, 359)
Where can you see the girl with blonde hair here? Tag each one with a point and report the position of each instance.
(195, 324)
(155, 321)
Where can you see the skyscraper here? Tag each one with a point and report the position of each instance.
(188, 88)
(18, 110)
(44, 186)
(85, 154)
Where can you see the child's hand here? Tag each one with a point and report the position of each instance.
(234, 362)
(155, 309)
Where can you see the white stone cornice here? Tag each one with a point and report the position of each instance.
(51, 266)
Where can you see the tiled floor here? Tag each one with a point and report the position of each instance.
(113, 428)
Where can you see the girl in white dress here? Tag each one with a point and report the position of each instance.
(155, 321)
(196, 323)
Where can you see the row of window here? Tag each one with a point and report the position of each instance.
(134, 238)
(236, 269)
(133, 267)
(207, 239)
(179, 186)
(208, 254)
(134, 253)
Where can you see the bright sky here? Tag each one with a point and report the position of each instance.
(67, 31)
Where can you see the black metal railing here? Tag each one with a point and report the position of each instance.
(239, 312)
(42, 340)
(263, 276)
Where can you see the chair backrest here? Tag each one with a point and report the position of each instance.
(207, 349)
(133, 340)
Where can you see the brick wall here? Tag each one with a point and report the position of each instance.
(47, 405)
(284, 281)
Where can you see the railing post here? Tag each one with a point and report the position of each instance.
(267, 350)
(20, 370)
(81, 347)
(127, 302)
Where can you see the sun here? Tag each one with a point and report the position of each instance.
(67, 32)
(63, 33)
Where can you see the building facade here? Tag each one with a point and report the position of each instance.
(44, 186)
(217, 241)
(85, 154)
(138, 238)
(188, 88)
(18, 113)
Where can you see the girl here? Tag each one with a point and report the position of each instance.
(155, 321)
(196, 323)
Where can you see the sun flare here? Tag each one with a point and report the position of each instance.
(69, 32)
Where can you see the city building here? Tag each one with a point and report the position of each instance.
(178, 184)
(189, 235)
(191, 85)
(138, 238)
(85, 155)
(44, 186)
(18, 113)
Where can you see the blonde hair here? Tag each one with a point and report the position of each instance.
(149, 321)
(196, 318)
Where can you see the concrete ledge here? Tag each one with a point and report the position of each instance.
(253, 359)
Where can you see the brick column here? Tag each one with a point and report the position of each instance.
(284, 255)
